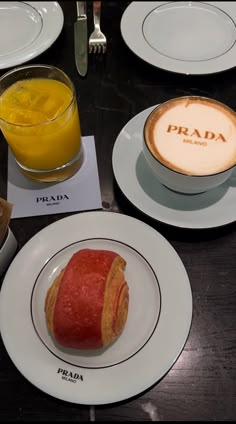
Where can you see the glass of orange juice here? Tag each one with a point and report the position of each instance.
(40, 121)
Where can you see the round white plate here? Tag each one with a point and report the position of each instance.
(142, 188)
(27, 29)
(159, 318)
(182, 36)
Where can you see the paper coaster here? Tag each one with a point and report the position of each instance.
(79, 193)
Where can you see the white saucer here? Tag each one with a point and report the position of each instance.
(207, 210)
(159, 316)
(182, 36)
(27, 30)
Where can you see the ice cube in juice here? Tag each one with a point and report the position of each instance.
(39, 119)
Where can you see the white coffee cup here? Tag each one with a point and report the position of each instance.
(190, 143)
(7, 250)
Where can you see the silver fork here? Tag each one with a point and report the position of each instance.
(97, 40)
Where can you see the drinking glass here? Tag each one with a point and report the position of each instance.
(40, 121)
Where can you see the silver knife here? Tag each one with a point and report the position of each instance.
(81, 39)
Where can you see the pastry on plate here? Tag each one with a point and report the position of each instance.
(86, 307)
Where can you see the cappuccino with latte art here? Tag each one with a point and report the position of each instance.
(192, 136)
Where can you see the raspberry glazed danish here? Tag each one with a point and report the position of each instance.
(87, 305)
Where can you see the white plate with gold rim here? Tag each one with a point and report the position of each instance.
(27, 29)
(182, 36)
(142, 188)
(150, 343)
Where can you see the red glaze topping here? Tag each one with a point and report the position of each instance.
(77, 320)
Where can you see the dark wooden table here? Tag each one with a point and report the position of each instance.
(202, 383)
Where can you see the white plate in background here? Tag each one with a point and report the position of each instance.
(27, 29)
(188, 37)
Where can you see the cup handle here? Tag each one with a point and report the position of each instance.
(7, 250)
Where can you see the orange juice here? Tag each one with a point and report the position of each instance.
(40, 121)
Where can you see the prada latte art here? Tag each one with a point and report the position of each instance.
(192, 135)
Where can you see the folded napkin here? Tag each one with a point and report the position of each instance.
(5, 216)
